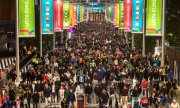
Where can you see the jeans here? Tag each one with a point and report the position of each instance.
(71, 104)
(47, 100)
(88, 98)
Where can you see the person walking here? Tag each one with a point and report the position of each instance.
(174, 104)
(47, 94)
(71, 99)
(35, 98)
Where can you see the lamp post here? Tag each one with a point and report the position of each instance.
(17, 39)
(163, 32)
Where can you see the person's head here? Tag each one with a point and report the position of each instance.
(174, 101)
(104, 91)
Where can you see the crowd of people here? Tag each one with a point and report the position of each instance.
(99, 65)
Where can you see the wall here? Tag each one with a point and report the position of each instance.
(7, 9)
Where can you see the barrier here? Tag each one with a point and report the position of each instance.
(80, 101)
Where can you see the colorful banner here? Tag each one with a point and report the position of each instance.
(78, 13)
(47, 16)
(58, 15)
(81, 13)
(137, 16)
(154, 17)
(26, 18)
(116, 15)
(87, 14)
(75, 14)
(121, 15)
(110, 14)
(72, 15)
(127, 15)
(66, 18)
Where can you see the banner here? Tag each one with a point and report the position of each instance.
(121, 15)
(137, 16)
(127, 15)
(58, 15)
(71, 15)
(26, 18)
(110, 14)
(116, 15)
(154, 17)
(78, 13)
(75, 14)
(47, 16)
(81, 13)
(66, 18)
(87, 15)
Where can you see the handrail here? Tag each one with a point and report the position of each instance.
(23, 64)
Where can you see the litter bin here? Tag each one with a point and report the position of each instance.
(81, 101)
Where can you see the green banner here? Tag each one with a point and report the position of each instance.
(66, 18)
(26, 18)
(81, 13)
(154, 17)
(110, 14)
(121, 15)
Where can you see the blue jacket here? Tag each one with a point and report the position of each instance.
(101, 74)
(170, 75)
(163, 100)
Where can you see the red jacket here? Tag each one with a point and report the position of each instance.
(144, 84)
(144, 101)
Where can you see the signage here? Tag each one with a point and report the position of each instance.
(66, 18)
(154, 17)
(47, 16)
(137, 16)
(26, 18)
(58, 15)
(127, 15)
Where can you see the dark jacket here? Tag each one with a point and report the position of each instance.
(64, 104)
(47, 92)
(27, 95)
(104, 97)
(71, 97)
(12, 95)
(35, 97)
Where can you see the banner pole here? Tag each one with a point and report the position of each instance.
(144, 38)
(132, 40)
(17, 41)
(62, 37)
(40, 28)
(163, 32)
(54, 39)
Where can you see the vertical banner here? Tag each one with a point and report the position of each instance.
(137, 16)
(87, 14)
(47, 16)
(127, 15)
(154, 17)
(58, 15)
(121, 15)
(81, 13)
(78, 13)
(66, 18)
(71, 15)
(75, 14)
(112, 13)
(117, 15)
(26, 18)
(109, 13)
